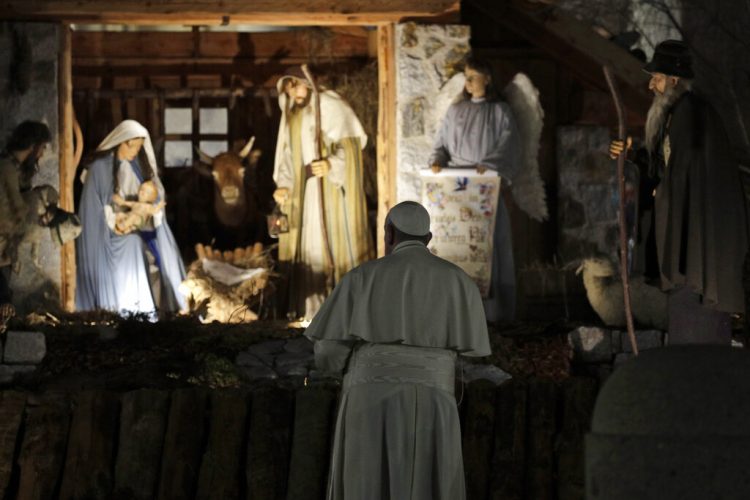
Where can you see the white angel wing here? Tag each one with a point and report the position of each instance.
(528, 187)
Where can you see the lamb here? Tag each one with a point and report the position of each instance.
(63, 227)
(605, 293)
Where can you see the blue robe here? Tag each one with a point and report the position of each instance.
(112, 270)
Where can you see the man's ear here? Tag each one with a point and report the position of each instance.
(674, 80)
(389, 234)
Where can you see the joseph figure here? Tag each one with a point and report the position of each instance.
(300, 170)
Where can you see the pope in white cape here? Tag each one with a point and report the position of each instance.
(395, 326)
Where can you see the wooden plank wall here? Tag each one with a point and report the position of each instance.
(520, 440)
(118, 75)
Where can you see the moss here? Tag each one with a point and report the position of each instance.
(215, 372)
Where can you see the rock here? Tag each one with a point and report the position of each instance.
(247, 359)
(268, 347)
(8, 373)
(453, 61)
(591, 344)
(458, 31)
(672, 423)
(22, 348)
(319, 375)
(409, 36)
(646, 339)
(412, 118)
(432, 45)
(293, 371)
(257, 372)
(300, 344)
(107, 332)
(622, 357)
(414, 71)
(289, 359)
(486, 372)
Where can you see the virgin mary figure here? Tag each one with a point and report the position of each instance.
(133, 269)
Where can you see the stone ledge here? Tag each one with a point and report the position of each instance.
(8, 373)
(593, 344)
(646, 339)
(23, 348)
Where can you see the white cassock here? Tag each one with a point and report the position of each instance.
(396, 325)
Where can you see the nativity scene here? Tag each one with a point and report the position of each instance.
(433, 250)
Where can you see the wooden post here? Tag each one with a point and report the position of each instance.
(67, 166)
(386, 144)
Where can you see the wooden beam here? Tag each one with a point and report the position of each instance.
(97, 67)
(67, 167)
(165, 45)
(254, 75)
(573, 43)
(180, 93)
(386, 142)
(223, 12)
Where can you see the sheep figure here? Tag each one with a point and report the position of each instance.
(605, 293)
(64, 227)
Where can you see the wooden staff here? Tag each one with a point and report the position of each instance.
(321, 197)
(622, 136)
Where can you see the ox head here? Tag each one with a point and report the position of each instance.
(228, 171)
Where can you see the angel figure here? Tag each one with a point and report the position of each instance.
(484, 131)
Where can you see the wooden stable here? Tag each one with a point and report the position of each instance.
(562, 55)
(185, 56)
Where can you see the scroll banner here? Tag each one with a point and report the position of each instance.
(462, 205)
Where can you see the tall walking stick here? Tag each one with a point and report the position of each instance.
(621, 213)
(321, 197)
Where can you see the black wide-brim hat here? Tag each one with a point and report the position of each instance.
(671, 57)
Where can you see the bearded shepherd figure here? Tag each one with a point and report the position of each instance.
(700, 226)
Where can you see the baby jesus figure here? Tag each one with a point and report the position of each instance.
(138, 213)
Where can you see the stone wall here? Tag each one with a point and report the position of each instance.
(428, 58)
(29, 91)
(587, 193)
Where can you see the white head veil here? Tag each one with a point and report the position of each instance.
(126, 130)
